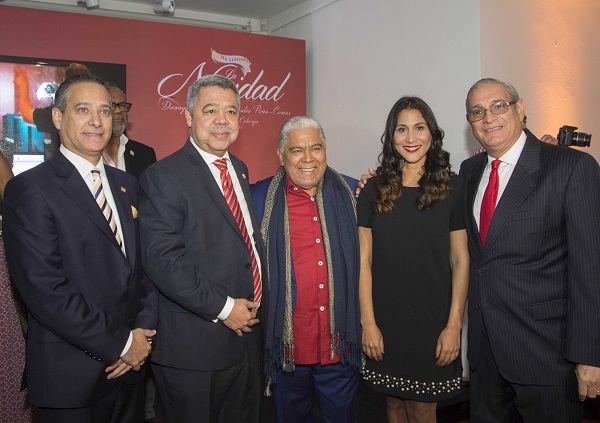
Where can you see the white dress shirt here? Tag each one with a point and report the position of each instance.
(85, 168)
(120, 155)
(505, 170)
(216, 173)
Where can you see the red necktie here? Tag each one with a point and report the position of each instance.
(234, 206)
(488, 204)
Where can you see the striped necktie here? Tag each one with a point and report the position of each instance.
(234, 206)
(98, 192)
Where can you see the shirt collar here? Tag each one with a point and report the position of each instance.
(208, 157)
(82, 165)
(512, 155)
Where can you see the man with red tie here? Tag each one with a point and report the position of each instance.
(533, 231)
(202, 250)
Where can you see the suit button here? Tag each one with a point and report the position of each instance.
(477, 305)
(248, 265)
(481, 269)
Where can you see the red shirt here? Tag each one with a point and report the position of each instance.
(311, 314)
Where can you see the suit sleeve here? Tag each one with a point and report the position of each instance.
(34, 258)
(165, 256)
(582, 222)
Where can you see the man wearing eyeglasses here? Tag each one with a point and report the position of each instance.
(534, 231)
(121, 152)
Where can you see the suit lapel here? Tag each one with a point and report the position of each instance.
(521, 183)
(208, 182)
(471, 191)
(125, 211)
(243, 178)
(76, 188)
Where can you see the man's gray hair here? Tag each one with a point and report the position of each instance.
(512, 92)
(193, 94)
(298, 122)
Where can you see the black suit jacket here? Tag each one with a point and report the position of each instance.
(196, 256)
(536, 282)
(138, 157)
(83, 295)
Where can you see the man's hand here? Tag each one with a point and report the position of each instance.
(364, 178)
(242, 316)
(117, 369)
(588, 381)
(549, 139)
(139, 349)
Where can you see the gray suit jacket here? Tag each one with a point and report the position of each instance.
(536, 282)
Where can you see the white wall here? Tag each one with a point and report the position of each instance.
(550, 52)
(363, 56)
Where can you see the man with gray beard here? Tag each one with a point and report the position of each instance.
(121, 152)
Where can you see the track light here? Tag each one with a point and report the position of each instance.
(90, 4)
(164, 7)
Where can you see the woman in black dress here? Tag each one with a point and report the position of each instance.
(414, 267)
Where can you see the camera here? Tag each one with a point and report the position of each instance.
(568, 136)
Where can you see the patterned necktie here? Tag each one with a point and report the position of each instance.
(488, 204)
(105, 207)
(234, 206)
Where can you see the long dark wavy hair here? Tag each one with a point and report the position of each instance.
(434, 183)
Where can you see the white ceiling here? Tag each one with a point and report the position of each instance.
(254, 9)
(240, 15)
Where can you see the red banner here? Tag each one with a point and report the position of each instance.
(162, 60)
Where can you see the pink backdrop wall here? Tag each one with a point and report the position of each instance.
(163, 60)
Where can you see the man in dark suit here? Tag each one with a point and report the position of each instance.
(121, 152)
(72, 247)
(208, 358)
(132, 157)
(533, 227)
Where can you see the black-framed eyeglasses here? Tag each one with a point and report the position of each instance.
(124, 107)
(498, 108)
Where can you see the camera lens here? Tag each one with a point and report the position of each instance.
(581, 139)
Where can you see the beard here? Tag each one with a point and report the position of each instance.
(119, 125)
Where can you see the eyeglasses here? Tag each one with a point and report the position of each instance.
(124, 107)
(498, 108)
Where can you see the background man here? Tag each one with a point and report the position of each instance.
(313, 330)
(77, 268)
(205, 261)
(121, 152)
(132, 157)
(533, 228)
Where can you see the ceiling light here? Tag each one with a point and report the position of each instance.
(90, 4)
(164, 7)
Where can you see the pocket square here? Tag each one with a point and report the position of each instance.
(134, 212)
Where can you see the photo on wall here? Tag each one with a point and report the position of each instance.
(27, 88)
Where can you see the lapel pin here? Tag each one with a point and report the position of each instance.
(123, 189)
(244, 175)
(131, 153)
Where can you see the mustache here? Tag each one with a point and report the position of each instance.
(220, 129)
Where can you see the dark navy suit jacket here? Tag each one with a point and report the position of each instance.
(138, 157)
(196, 256)
(83, 295)
(536, 282)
